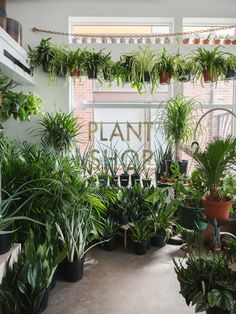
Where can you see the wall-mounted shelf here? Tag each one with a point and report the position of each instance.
(13, 60)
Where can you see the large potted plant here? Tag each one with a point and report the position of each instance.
(208, 64)
(213, 163)
(208, 283)
(177, 122)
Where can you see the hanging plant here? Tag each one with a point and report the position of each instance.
(182, 68)
(165, 67)
(208, 65)
(94, 61)
(41, 55)
(75, 62)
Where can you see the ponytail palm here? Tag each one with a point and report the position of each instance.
(213, 163)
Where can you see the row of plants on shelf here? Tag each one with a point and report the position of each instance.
(138, 67)
(211, 38)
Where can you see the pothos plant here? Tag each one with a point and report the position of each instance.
(20, 106)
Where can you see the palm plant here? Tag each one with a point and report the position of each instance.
(209, 64)
(177, 122)
(213, 164)
(59, 131)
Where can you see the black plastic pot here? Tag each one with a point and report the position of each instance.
(73, 271)
(124, 220)
(114, 181)
(189, 218)
(146, 182)
(45, 66)
(135, 179)
(215, 310)
(148, 244)
(183, 167)
(158, 240)
(5, 243)
(140, 247)
(44, 301)
(92, 73)
(230, 74)
(54, 280)
(184, 76)
(110, 245)
(124, 179)
(147, 77)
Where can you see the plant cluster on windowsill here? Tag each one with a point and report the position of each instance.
(140, 67)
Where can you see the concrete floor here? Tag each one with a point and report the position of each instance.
(120, 282)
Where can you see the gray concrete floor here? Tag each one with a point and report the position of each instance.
(120, 282)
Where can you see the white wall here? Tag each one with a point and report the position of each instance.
(53, 15)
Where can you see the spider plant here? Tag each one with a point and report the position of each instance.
(208, 64)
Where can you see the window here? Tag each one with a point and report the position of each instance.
(126, 30)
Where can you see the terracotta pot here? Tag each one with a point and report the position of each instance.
(218, 210)
(196, 41)
(205, 41)
(75, 73)
(207, 77)
(216, 41)
(185, 41)
(233, 42)
(165, 78)
(227, 41)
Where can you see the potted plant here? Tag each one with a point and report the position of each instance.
(20, 106)
(147, 176)
(122, 206)
(206, 41)
(177, 120)
(41, 55)
(227, 40)
(233, 41)
(216, 40)
(165, 67)
(58, 131)
(230, 67)
(140, 234)
(161, 217)
(58, 63)
(190, 196)
(142, 64)
(77, 228)
(74, 62)
(110, 230)
(185, 40)
(196, 40)
(207, 282)
(93, 62)
(160, 157)
(125, 163)
(213, 163)
(182, 68)
(209, 65)
(123, 69)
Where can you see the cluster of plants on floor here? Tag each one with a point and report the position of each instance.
(18, 105)
(138, 67)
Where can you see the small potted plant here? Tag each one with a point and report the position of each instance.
(207, 282)
(74, 62)
(140, 234)
(161, 217)
(227, 40)
(165, 67)
(213, 164)
(206, 41)
(209, 65)
(190, 196)
(147, 176)
(94, 61)
(110, 230)
(216, 40)
(233, 41)
(196, 40)
(182, 68)
(125, 163)
(185, 40)
(230, 67)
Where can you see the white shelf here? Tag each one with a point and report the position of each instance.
(8, 67)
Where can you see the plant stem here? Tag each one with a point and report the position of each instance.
(177, 151)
